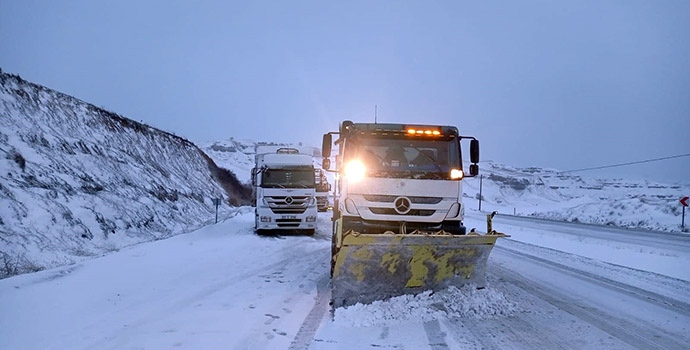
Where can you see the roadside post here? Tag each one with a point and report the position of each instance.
(684, 202)
(480, 192)
(216, 201)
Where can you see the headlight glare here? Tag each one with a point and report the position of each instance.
(354, 170)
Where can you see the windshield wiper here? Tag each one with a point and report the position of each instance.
(432, 159)
(293, 185)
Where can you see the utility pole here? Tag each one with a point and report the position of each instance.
(376, 112)
(480, 192)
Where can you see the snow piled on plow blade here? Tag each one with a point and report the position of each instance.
(370, 267)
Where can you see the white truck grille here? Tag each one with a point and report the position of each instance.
(288, 204)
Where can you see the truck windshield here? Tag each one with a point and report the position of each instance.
(288, 178)
(404, 158)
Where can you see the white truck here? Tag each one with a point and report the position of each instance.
(283, 182)
(322, 189)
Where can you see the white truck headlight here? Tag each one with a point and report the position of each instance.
(354, 170)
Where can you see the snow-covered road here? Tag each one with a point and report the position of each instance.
(222, 287)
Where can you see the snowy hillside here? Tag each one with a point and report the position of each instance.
(238, 155)
(78, 181)
(548, 193)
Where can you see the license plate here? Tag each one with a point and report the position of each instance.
(289, 217)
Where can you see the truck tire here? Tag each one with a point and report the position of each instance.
(454, 227)
(334, 251)
(261, 232)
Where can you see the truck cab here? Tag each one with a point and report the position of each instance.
(284, 186)
(399, 177)
(398, 213)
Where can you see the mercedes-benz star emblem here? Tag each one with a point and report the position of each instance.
(288, 200)
(402, 205)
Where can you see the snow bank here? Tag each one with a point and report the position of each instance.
(450, 303)
(552, 194)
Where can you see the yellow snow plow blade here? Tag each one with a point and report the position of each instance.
(369, 267)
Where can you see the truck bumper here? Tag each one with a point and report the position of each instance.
(267, 220)
(380, 226)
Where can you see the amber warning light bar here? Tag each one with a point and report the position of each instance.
(423, 132)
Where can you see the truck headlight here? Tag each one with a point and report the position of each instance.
(456, 174)
(354, 170)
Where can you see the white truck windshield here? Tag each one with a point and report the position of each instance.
(405, 158)
(288, 178)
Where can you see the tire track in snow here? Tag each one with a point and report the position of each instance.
(311, 323)
(635, 335)
(667, 303)
(113, 341)
(437, 338)
(515, 332)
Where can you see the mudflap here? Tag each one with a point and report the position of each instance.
(370, 267)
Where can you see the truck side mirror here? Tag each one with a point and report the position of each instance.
(326, 163)
(326, 146)
(474, 152)
(329, 187)
(474, 169)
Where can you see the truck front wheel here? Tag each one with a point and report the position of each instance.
(454, 227)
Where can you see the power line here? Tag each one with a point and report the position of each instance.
(629, 163)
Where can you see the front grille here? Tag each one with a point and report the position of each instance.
(382, 198)
(281, 201)
(280, 205)
(288, 222)
(412, 212)
(288, 210)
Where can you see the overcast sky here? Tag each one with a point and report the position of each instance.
(556, 84)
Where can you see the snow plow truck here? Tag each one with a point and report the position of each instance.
(398, 212)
